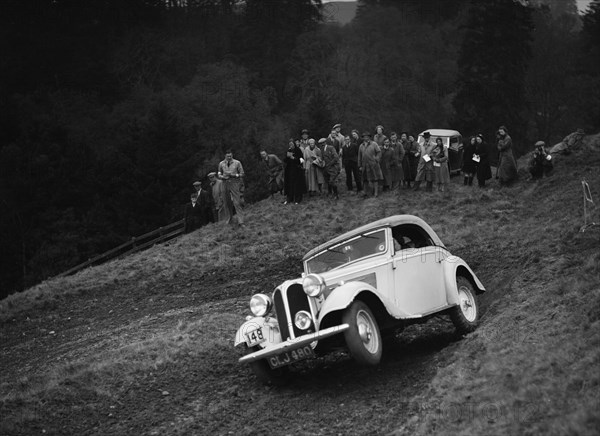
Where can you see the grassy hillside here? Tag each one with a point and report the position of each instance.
(143, 345)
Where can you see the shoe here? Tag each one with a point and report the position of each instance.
(296, 203)
(285, 202)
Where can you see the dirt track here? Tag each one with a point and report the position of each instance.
(204, 390)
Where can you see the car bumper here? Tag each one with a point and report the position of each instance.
(293, 344)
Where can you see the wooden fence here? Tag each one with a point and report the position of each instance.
(157, 236)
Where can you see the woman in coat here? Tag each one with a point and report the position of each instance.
(470, 161)
(507, 165)
(331, 170)
(294, 186)
(397, 170)
(387, 157)
(441, 172)
(484, 172)
(411, 159)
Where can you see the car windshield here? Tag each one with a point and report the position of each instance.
(359, 247)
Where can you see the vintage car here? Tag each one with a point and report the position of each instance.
(356, 289)
(452, 139)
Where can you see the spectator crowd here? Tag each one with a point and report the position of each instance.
(372, 163)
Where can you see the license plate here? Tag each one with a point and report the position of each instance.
(291, 356)
(255, 337)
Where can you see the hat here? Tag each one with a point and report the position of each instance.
(354, 130)
(503, 128)
(378, 126)
(196, 183)
(426, 135)
(336, 126)
(366, 134)
(480, 135)
(322, 140)
(305, 131)
(540, 144)
(212, 174)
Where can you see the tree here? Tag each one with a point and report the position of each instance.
(493, 61)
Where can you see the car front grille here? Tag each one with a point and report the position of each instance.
(293, 299)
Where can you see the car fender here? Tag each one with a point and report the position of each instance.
(342, 296)
(453, 266)
(269, 326)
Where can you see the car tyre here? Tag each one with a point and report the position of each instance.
(465, 316)
(266, 374)
(363, 337)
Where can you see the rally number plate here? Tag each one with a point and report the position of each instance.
(255, 337)
(291, 356)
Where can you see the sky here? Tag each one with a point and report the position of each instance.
(581, 4)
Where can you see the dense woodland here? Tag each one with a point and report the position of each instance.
(110, 109)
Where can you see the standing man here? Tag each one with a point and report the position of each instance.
(331, 170)
(369, 155)
(350, 161)
(274, 168)
(191, 214)
(205, 200)
(336, 137)
(231, 171)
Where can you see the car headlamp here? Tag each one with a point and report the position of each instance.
(260, 304)
(313, 285)
(303, 320)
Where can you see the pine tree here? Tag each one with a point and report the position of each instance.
(492, 65)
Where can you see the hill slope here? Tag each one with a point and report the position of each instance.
(143, 345)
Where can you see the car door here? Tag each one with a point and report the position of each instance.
(417, 271)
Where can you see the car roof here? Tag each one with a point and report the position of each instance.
(441, 132)
(390, 221)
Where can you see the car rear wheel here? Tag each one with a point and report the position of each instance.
(266, 374)
(465, 316)
(363, 337)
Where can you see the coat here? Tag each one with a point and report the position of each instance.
(397, 169)
(273, 166)
(314, 173)
(507, 165)
(410, 161)
(425, 169)
(387, 157)
(469, 165)
(484, 172)
(441, 173)
(294, 182)
(332, 163)
(369, 155)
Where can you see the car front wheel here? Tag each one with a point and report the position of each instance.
(465, 316)
(363, 337)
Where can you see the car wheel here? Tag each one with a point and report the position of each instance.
(465, 316)
(363, 337)
(266, 374)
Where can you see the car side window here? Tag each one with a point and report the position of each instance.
(408, 236)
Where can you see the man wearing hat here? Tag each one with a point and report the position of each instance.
(425, 165)
(336, 137)
(369, 154)
(540, 163)
(191, 214)
(204, 200)
(350, 161)
(331, 168)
